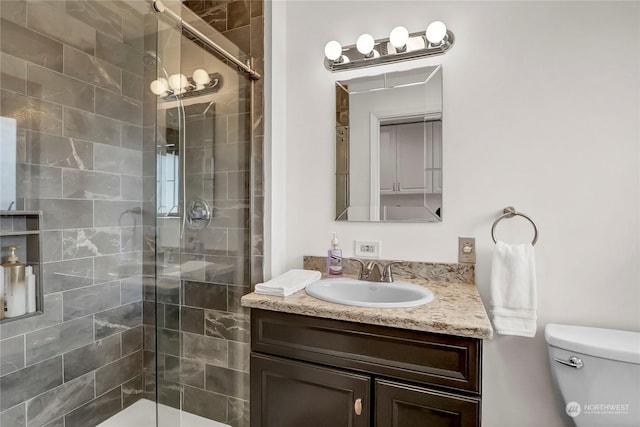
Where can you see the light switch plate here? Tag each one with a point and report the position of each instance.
(467, 250)
(367, 248)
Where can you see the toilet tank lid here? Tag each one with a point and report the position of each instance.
(612, 344)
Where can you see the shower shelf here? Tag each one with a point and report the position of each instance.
(23, 229)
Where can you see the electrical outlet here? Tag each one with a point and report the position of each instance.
(367, 249)
(467, 250)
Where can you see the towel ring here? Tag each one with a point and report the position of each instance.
(510, 212)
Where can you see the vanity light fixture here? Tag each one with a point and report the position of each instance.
(436, 32)
(365, 45)
(333, 52)
(400, 46)
(181, 86)
(399, 37)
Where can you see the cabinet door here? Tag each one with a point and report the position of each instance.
(285, 393)
(387, 159)
(410, 165)
(402, 405)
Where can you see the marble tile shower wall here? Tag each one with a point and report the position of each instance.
(71, 74)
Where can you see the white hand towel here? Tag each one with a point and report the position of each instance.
(288, 283)
(513, 289)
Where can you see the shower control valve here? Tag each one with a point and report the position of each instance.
(198, 214)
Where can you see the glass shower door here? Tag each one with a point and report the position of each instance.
(196, 332)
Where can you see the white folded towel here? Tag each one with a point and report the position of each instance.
(288, 283)
(513, 289)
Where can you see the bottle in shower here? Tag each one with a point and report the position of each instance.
(15, 285)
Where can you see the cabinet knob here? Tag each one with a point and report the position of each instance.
(357, 406)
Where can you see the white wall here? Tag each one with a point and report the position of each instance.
(541, 111)
(275, 86)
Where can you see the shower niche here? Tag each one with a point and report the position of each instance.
(22, 230)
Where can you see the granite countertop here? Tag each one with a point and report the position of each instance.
(456, 310)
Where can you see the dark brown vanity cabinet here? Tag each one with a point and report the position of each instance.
(301, 394)
(313, 372)
(402, 405)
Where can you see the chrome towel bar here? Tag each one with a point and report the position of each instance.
(510, 212)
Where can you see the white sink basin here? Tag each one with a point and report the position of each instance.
(370, 294)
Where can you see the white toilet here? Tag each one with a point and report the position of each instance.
(596, 373)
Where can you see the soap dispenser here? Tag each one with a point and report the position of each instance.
(334, 258)
(15, 286)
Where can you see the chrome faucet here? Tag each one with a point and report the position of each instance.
(387, 273)
(372, 271)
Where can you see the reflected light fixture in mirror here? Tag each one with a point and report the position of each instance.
(400, 46)
(178, 82)
(201, 77)
(179, 85)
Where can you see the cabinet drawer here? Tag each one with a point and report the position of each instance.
(442, 360)
(285, 393)
(402, 405)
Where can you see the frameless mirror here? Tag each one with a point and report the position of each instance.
(389, 147)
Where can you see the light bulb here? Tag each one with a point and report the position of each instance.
(399, 37)
(178, 81)
(201, 76)
(333, 50)
(365, 44)
(159, 87)
(436, 31)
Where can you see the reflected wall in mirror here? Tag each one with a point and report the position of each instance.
(389, 147)
(8, 150)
